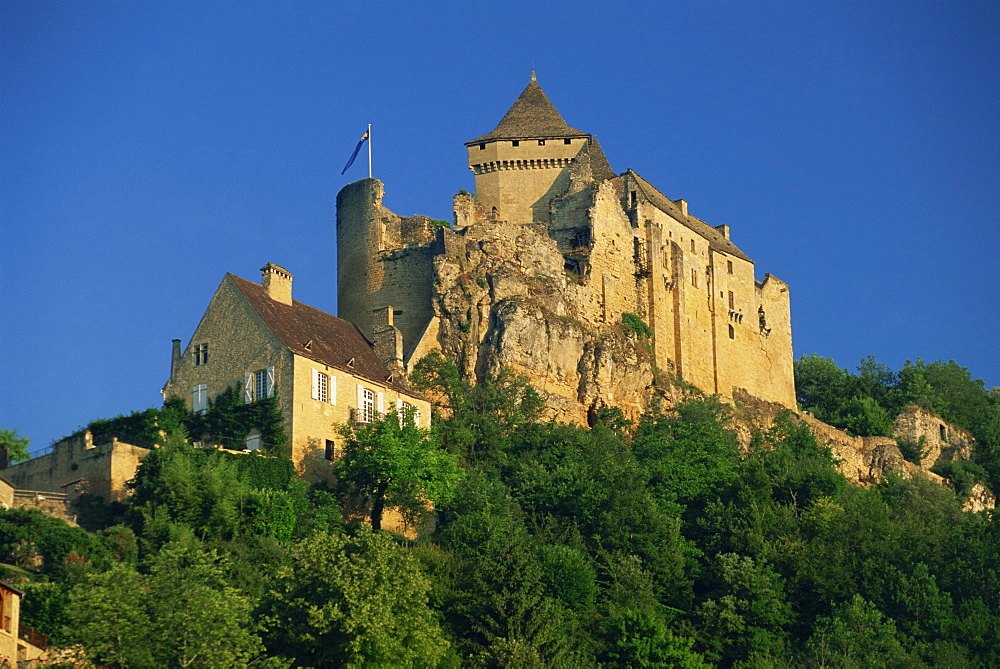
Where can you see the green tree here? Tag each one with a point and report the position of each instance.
(199, 619)
(183, 614)
(391, 462)
(15, 445)
(857, 636)
(353, 602)
(108, 615)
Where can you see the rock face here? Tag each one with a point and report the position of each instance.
(504, 300)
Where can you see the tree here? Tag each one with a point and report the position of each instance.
(15, 444)
(391, 462)
(182, 615)
(108, 616)
(857, 636)
(199, 620)
(354, 602)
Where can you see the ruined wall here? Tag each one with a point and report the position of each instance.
(375, 269)
(940, 439)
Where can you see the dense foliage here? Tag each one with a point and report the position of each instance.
(867, 402)
(658, 544)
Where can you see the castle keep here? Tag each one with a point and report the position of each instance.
(541, 264)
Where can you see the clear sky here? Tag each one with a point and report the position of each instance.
(146, 149)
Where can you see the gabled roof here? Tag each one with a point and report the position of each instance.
(331, 341)
(716, 239)
(532, 116)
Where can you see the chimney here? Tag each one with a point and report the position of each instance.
(175, 357)
(724, 229)
(277, 281)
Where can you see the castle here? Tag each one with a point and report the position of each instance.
(542, 264)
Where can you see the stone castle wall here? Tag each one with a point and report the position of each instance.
(106, 467)
(603, 256)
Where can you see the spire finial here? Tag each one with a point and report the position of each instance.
(533, 70)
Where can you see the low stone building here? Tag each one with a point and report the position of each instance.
(76, 464)
(322, 369)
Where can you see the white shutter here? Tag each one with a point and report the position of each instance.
(380, 406)
(361, 398)
(248, 388)
(270, 381)
(399, 406)
(315, 384)
(333, 389)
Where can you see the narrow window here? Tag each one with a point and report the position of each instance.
(692, 246)
(732, 332)
(201, 354)
(260, 384)
(199, 398)
(331, 450)
(694, 277)
(320, 386)
(729, 266)
(366, 410)
(944, 433)
(732, 301)
(633, 200)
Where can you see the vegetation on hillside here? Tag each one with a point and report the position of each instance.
(657, 544)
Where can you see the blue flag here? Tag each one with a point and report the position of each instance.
(364, 138)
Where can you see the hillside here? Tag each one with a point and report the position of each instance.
(665, 541)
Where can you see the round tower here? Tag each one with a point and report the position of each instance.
(359, 240)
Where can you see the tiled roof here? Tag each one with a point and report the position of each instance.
(599, 165)
(317, 335)
(532, 116)
(716, 239)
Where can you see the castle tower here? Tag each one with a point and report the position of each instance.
(523, 162)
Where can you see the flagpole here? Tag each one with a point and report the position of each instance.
(369, 150)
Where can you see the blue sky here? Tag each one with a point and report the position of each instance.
(146, 149)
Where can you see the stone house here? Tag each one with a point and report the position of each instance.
(322, 369)
(553, 227)
(10, 615)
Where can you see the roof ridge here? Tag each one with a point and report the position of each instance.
(715, 238)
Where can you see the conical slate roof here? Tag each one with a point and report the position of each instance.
(532, 116)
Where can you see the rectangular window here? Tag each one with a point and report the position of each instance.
(366, 405)
(541, 142)
(199, 398)
(320, 386)
(692, 246)
(515, 143)
(732, 300)
(253, 442)
(694, 277)
(201, 354)
(407, 409)
(567, 141)
(482, 146)
(258, 385)
(729, 266)
(331, 450)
